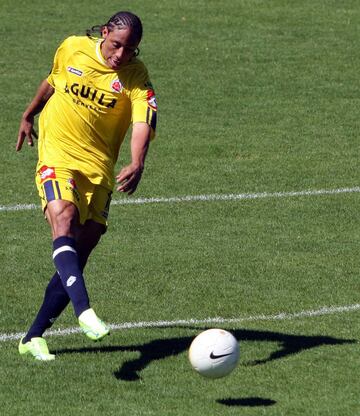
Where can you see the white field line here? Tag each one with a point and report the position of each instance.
(327, 310)
(203, 198)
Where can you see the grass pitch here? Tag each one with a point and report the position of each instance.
(254, 96)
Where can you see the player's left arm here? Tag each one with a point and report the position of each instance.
(129, 176)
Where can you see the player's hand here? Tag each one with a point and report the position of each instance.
(26, 131)
(129, 178)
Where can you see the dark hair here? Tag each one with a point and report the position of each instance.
(119, 21)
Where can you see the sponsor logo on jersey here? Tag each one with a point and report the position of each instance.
(151, 99)
(90, 94)
(46, 173)
(116, 85)
(75, 71)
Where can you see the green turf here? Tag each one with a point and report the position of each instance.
(254, 96)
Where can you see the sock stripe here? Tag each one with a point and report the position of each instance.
(62, 249)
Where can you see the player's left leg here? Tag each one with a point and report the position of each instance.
(55, 301)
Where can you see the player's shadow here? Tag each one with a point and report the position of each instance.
(160, 349)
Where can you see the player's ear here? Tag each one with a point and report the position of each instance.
(137, 51)
(104, 31)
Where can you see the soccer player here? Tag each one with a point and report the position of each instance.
(96, 89)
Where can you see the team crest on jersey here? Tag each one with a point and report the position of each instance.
(46, 173)
(75, 71)
(116, 85)
(151, 99)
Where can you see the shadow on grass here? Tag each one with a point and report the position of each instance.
(160, 349)
(247, 402)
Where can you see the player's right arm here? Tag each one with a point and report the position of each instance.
(26, 130)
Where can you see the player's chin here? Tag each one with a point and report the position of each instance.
(114, 64)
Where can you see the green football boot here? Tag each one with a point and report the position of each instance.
(92, 326)
(36, 347)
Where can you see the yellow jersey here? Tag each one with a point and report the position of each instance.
(85, 121)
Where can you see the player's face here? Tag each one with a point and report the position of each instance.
(118, 47)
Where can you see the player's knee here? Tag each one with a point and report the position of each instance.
(63, 218)
(66, 222)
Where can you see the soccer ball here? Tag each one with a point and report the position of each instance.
(214, 353)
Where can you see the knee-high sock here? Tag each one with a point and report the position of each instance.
(69, 268)
(55, 301)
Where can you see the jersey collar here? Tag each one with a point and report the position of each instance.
(98, 51)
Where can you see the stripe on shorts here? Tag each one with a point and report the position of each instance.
(49, 191)
(153, 120)
(58, 189)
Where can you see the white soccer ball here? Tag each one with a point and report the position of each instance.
(214, 353)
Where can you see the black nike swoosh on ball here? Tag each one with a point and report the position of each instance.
(213, 356)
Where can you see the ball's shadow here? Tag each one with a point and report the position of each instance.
(247, 402)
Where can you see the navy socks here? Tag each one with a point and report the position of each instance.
(66, 284)
(68, 266)
(55, 301)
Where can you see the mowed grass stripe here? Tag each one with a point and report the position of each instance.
(203, 198)
(326, 310)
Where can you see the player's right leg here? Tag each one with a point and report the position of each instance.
(65, 207)
(69, 236)
(63, 218)
(87, 239)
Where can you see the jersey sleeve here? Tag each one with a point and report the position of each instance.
(58, 59)
(143, 102)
